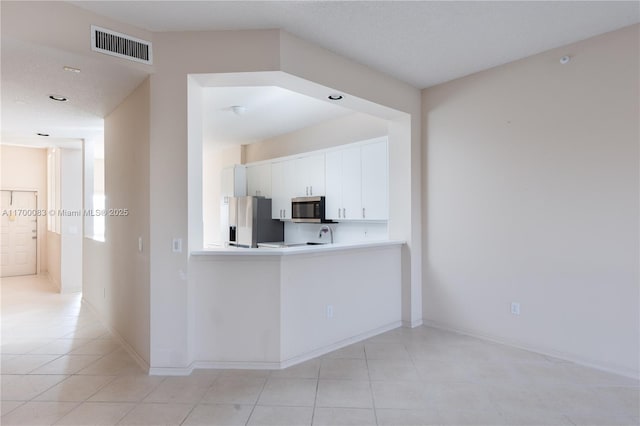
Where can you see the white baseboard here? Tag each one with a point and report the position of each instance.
(542, 351)
(413, 323)
(338, 345)
(249, 365)
(127, 347)
(54, 282)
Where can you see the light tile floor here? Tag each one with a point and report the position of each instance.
(60, 366)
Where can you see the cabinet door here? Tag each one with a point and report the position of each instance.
(281, 193)
(310, 176)
(315, 174)
(351, 183)
(333, 190)
(375, 181)
(277, 190)
(253, 180)
(233, 181)
(259, 180)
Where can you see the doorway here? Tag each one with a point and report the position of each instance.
(19, 233)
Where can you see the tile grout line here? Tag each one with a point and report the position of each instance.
(373, 400)
(258, 398)
(315, 399)
(201, 398)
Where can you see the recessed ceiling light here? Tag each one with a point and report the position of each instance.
(335, 97)
(71, 69)
(565, 59)
(58, 98)
(42, 134)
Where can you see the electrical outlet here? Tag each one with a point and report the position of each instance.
(515, 308)
(329, 311)
(176, 245)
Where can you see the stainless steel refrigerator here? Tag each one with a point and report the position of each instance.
(250, 222)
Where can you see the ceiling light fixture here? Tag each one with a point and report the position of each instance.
(565, 59)
(43, 134)
(335, 97)
(71, 69)
(238, 109)
(58, 98)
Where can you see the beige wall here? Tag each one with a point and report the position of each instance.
(176, 55)
(116, 274)
(172, 162)
(54, 259)
(340, 131)
(26, 168)
(531, 172)
(321, 66)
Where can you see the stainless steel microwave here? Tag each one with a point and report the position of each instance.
(308, 210)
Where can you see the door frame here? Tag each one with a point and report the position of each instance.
(38, 219)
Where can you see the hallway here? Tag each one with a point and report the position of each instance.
(60, 366)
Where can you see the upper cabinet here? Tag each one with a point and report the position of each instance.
(353, 178)
(309, 175)
(357, 182)
(282, 188)
(343, 181)
(233, 182)
(259, 179)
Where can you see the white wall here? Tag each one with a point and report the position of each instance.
(173, 166)
(116, 274)
(257, 311)
(71, 224)
(532, 197)
(26, 168)
(316, 64)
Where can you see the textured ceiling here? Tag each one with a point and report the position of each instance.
(421, 42)
(31, 72)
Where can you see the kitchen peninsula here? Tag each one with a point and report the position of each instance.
(275, 307)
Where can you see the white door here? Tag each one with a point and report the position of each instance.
(18, 232)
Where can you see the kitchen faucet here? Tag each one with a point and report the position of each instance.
(324, 229)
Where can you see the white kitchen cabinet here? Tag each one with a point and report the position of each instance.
(333, 193)
(343, 184)
(375, 180)
(351, 183)
(357, 182)
(259, 180)
(282, 180)
(233, 181)
(309, 176)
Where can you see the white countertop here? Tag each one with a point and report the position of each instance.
(299, 249)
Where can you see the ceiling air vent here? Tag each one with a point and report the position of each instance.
(120, 45)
